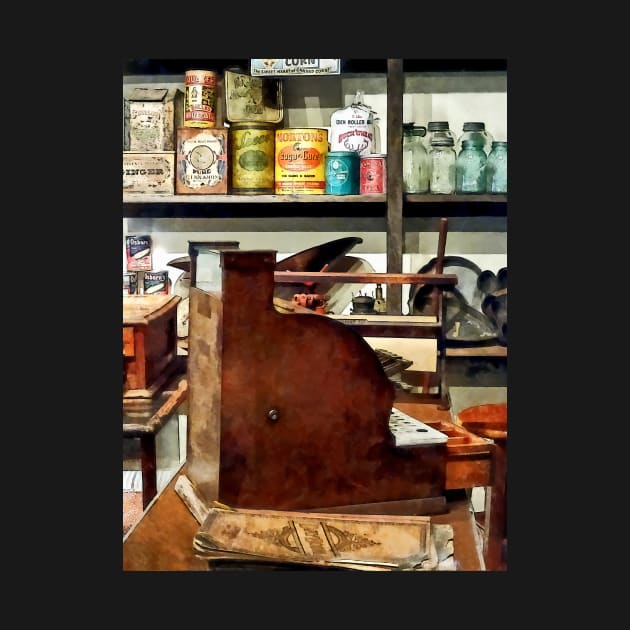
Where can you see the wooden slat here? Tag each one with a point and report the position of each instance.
(397, 278)
(395, 234)
(482, 351)
(158, 419)
(155, 198)
(128, 341)
(132, 198)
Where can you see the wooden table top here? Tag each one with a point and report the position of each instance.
(141, 309)
(489, 421)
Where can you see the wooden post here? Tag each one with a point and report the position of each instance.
(395, 235)
(149, 468)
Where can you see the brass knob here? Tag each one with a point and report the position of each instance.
(273, 415)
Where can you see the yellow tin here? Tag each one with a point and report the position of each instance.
(200, 98)
(300, 164)
(253, 158)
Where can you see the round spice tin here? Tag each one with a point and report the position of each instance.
(342, 173)
(252, 146)
(373, 174)
(200, 98)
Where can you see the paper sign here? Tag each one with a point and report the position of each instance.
(288, 67)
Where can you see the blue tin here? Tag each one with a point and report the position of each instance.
(342, 173)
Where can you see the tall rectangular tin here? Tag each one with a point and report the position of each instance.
(151, 116)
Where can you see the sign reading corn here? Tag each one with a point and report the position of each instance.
(288, 67)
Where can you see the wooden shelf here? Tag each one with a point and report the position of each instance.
(394, 212)
(479, 351)
(375, 198)
(158, 198)
(469, 198)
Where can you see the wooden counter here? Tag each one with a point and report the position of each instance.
(162, 539)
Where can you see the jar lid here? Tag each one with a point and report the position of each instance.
(474, 126)
(472, 143)
(352, 155)
(443, 141)
(499, 143)
(414, 130)
(438, 126)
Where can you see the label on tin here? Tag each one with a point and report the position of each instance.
(138, 252)
(150, 118)
(372, 175)
(253, 155)
(252, 99)
(342, 173)
(200, 98)
(201, 160)
(156, 283)
(148, 172)
(300, 161)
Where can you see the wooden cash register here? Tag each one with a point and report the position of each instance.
(293, 411)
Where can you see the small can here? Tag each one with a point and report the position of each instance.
(200, 98)
(156, 283)
(373, 174)
(130, 283)
(138, 252)
(342, 173)
(253, 149)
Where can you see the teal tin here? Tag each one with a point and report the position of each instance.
(342, 173)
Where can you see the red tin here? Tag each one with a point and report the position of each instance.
(373, 174)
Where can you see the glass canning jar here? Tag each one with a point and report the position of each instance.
(470, 168)
(438, 129)
(442, 157)
(496, 168)
(416, 166)
(477, 132)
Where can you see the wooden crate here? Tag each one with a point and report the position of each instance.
(149, 343)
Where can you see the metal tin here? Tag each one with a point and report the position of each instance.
(373, 174)
(156, 283)
(342, 173)
(151, 116)
(138, 250)
(300, 161)
(252, 99)
(202, 167)
(148, 172)
(130, 283)
(252, 146)
(200, 98)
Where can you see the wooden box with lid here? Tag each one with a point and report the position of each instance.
(149, 343)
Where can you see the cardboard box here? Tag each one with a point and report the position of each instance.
(149, 172)
(151, 117)
(202, 164)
